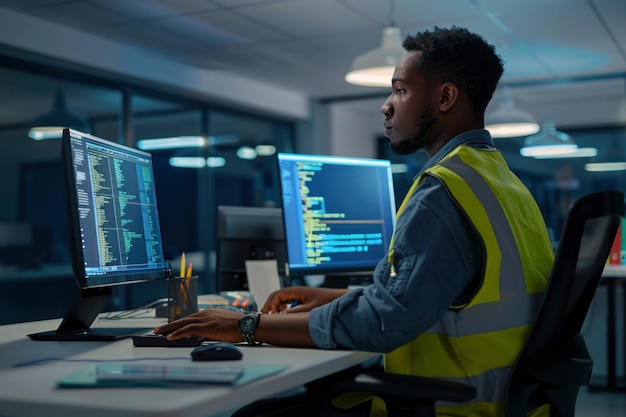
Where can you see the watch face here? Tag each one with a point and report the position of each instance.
(247, 323)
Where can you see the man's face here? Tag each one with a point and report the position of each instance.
(409, 112)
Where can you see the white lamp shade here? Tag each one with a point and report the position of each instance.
(50, 125)
(548, 141)
(507, 121)
(375, 68)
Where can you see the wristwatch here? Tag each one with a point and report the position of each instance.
(247, 325)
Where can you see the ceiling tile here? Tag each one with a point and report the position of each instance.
(219, 29)
(79, 15)
(154, 9)
(302, 18)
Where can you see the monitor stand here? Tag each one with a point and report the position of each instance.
(76, 324)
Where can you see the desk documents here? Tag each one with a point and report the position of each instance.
(58, 379)
(125, 373)
(174, 376)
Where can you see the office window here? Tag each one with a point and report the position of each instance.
(33, 203)
(30, 172)
(248, 147)
(35, 274)
(177, 188)
(232, 163)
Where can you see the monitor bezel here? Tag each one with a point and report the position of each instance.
(352, 269)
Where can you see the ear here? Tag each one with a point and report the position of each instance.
(449, 94)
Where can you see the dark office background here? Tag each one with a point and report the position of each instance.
(36, 278)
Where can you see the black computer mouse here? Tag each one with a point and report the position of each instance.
(218, 351)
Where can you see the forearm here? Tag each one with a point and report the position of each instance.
(289, 330)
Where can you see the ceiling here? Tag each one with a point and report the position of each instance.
(565, 59)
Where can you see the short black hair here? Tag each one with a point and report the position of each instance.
(461, 57)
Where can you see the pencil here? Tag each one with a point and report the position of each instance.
(182, 265)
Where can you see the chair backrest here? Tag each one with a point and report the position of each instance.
(554, 362)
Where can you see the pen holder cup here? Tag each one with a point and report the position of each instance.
(182, 297)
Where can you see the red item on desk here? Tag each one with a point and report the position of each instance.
(615, 256)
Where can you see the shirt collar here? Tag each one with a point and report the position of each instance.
(479, 138)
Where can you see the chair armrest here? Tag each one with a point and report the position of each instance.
(556, 370)
(566, 365)
(408, 387)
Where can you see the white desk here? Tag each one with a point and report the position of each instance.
(31, 390)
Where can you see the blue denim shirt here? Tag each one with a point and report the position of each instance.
(438, 258)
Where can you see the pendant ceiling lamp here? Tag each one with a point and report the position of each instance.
(548, 141)
(375, 68)
(50, 125)
(507, 121)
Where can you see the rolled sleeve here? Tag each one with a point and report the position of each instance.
(321, 325)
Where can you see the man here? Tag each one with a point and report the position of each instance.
(470, 256)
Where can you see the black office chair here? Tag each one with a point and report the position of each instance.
(554, 362)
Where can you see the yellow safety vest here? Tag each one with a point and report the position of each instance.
(478, 343)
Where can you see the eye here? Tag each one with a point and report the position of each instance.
(399, 90)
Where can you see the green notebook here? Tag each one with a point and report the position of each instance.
(138, 375)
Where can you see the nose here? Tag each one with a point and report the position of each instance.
(386, 108)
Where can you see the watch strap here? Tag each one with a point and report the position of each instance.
(248, 331)
(249, 338)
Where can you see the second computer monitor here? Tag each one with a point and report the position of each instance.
(339, 212)
(246, 233)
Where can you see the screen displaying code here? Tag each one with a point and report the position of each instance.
(117, 207)
(339, 212)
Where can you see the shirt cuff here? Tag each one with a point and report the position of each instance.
(320, 325)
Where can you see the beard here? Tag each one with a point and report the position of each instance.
(420, 140)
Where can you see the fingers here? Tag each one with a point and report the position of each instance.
(299, 308)
(214, 324)
(276, 302)
(192, 329)
(173, 326)
(280, 300)
(292, 306)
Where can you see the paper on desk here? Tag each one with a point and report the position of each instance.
(87, 377)
(263, 279)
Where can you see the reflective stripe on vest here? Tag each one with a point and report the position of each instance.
(501, 235)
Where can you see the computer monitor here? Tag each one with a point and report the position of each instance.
(247, 233)
(115, 232)
(339, 213)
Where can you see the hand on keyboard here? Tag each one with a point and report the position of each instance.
(151, 339)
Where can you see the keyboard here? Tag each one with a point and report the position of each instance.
(151, 339)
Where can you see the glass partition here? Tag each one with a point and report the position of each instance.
(236, 168)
